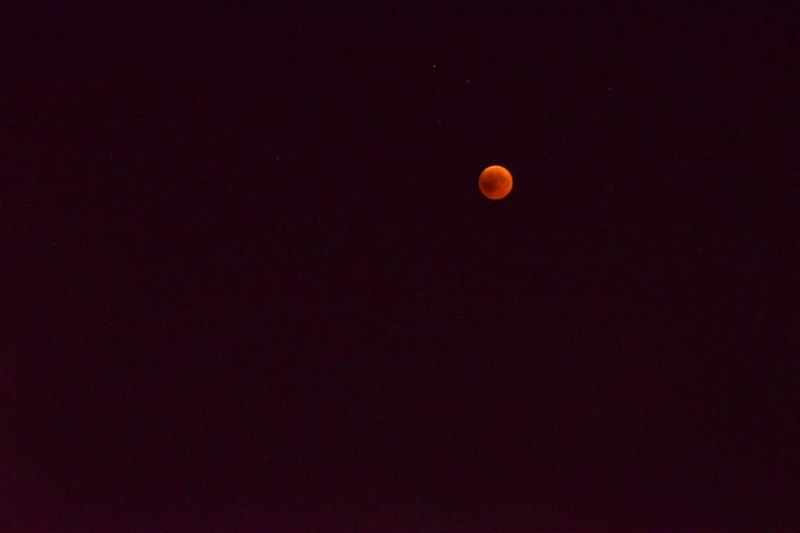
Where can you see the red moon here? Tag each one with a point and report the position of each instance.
(495, 182)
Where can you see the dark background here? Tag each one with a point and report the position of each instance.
(249, 282)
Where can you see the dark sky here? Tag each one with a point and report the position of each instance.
(250, 284)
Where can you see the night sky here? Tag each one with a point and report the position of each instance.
(250, 284)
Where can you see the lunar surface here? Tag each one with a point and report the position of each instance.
(495, 182)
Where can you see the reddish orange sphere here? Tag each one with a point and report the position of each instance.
(495, 182)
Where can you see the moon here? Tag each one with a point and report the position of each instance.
(495, 182)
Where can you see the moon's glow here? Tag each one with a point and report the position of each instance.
(495, 182)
